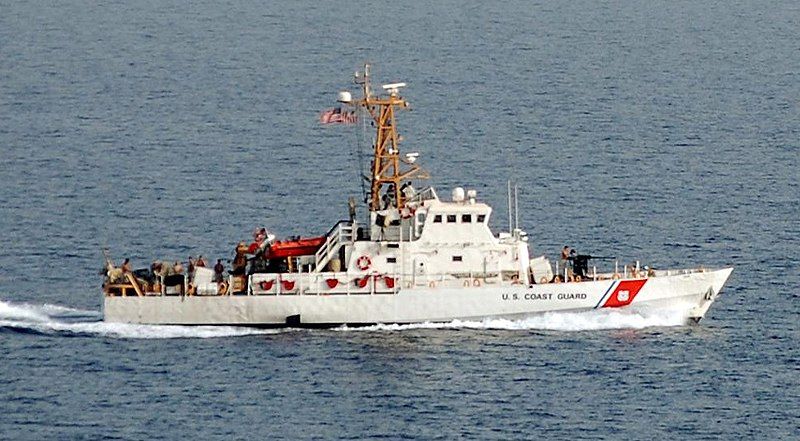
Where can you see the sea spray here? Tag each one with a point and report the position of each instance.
(555, 321)
(60, 320)
(56, 319)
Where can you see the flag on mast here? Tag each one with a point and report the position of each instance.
(337, 115)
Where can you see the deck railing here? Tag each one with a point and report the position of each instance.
(340, 234)
(347, 283)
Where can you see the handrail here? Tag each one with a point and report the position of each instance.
(425, 194)
(341, 232)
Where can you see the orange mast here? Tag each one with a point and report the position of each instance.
(388, 168)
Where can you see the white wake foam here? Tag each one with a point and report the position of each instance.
(601, 319)
(54, 319)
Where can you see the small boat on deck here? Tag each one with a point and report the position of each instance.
(295, 248)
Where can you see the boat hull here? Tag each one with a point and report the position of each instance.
(693, 292)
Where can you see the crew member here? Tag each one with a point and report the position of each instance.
(240, 261)
(219, 269)
(351, 208)
(564, 258)
(126, 266)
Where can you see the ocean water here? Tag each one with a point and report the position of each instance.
(667, 132)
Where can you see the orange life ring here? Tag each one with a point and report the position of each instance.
(543, 280)
(364, 262)
(432, 284)
(466, 283)
(476, 282)
(615, 276)
(222, 288)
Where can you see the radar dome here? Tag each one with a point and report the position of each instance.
(345, 97)
(458, 194)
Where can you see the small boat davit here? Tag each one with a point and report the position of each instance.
(412, 257)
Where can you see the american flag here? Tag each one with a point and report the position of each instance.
(337, 115)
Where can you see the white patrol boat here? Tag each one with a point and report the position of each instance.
(418, 259)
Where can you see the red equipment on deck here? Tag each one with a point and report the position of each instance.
(291, 248)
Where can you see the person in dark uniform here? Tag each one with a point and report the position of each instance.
(219, 270)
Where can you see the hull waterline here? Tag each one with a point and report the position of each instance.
(693, 293)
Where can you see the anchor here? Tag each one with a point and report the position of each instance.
(710, 294)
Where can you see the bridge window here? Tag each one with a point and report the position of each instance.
(457, 258)
(466, 218)
(391, 260)
(437, 219)
(481, 218)
(451, 218)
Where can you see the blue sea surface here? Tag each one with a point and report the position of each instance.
(667, 132)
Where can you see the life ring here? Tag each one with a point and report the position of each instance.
(407, 212)
(222, 288)
(476, 282)
(432, 284)
(543, 280)
(466, 283)
(364, 262)
(408, 284)
(615, 276)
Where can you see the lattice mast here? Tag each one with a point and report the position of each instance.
(388, 168)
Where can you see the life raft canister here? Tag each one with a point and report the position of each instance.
(363, 263)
